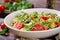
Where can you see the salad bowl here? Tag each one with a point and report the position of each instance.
(32, 34)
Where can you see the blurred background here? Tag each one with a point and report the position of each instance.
(34, 3)
(43, 3)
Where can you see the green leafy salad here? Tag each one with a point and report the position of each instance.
(35, 21)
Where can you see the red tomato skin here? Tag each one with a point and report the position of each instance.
(3, 26)
(20, 25)
(57, 23)
(35, 27)
(38, 27)
(2, 8)
(42, 28)
(45, 17)
(6, 1)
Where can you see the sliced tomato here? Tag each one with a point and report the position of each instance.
(33, 29)
(42, 28)
(45, 17)
(19, 25)
(57, 23)
(38, 27)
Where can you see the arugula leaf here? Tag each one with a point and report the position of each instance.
(3, 31)
(45, 23)
(7, 5)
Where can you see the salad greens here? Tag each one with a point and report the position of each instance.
(17, 5)
(3, 31)
(36, 21)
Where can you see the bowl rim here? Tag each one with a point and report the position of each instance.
(30, 31)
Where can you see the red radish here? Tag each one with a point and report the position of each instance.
(2, 8)
(3, 26)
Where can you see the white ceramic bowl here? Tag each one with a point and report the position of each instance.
(32, 34)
